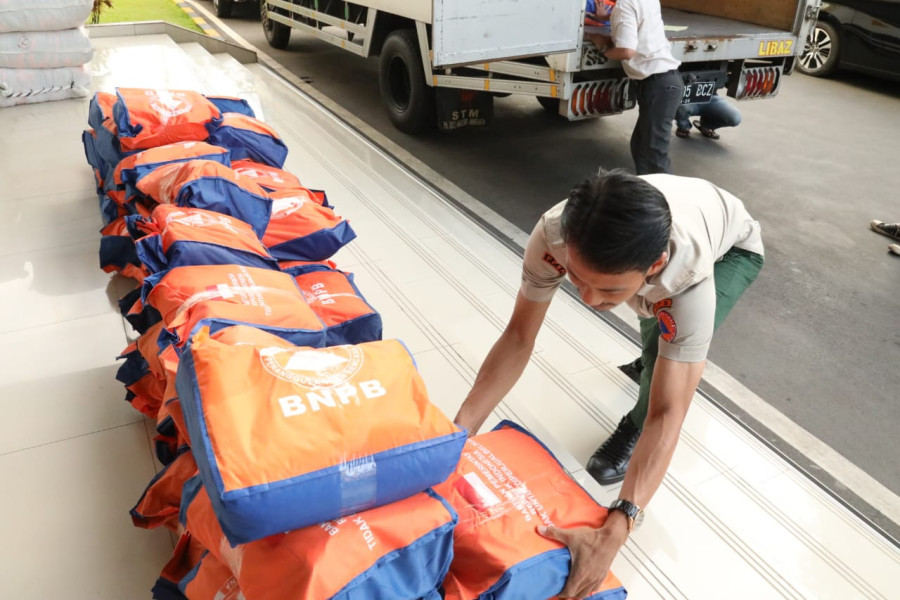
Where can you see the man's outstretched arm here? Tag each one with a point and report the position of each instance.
(593, 550)
(504, 363)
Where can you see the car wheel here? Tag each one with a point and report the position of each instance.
(404, 91)
(277, 34)
(223, 8)
(821, 53)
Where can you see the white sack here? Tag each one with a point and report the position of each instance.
(45, 49)
(24, 86)
(43, 15)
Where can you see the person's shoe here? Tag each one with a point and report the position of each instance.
(895, 248)
(706, 131)
(633, 370)
(892, 230)
(682, 133)
(608, 463)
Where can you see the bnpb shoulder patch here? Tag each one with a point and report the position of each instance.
(667, 326)
(549, 258)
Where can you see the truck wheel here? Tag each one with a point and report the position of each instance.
(404, 91)
(223, 8)
(277, 34)
(822, 51)
(551, 105)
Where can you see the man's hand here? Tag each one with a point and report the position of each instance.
(592, 550)
(602, 42)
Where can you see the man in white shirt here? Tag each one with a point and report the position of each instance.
(639, 41)
(680, 252)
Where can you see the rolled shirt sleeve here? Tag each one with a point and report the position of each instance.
(624, 25)
(542, 271)
(686, 322)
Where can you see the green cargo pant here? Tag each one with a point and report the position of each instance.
(733, 275)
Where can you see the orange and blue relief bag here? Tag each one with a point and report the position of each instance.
(225, 295)
(160, 503)
(178, 237)
(286, 437)
(506, 485)
(131, 168)
(300, 228)
(147, 118)
(335, 298)
(400, 551)
(248, 138)
(273, 179)
(212, 186)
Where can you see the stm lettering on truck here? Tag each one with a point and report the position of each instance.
(776, 48)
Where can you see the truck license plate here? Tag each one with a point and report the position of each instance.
(698, 92)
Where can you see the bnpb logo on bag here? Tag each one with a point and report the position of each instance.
(327, 372)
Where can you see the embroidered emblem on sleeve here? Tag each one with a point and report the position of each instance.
(667, 326)
(548, 258)
(667, 303)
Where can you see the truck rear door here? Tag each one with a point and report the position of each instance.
(473, 31)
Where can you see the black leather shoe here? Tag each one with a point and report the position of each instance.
(608, 463)
(633, 370)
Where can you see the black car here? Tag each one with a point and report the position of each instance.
(862, 35)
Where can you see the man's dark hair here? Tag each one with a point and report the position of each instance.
(617, 222)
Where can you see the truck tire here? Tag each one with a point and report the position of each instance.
(821, 54)
(277, 34)
(551, 105)
(404, 91)
(223, 8)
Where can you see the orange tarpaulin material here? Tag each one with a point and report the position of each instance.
(187, 555)
(506, 485)
(212, 186)
(178, 237)
(161, 501)
(224, 295)
(210, 580)
(396, 552)
(332, 431)
(146, 118)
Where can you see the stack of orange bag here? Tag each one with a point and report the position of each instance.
(303, 459)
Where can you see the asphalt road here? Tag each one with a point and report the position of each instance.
(818, 335)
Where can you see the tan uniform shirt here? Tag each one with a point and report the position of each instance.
(706, 222)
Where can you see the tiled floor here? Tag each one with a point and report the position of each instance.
(730, 521)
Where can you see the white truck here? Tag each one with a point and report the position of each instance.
(538, 48)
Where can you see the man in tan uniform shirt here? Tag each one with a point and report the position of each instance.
(680, 252)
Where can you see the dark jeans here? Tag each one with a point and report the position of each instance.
(658, 97)
(716, 114)
(732, 275)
